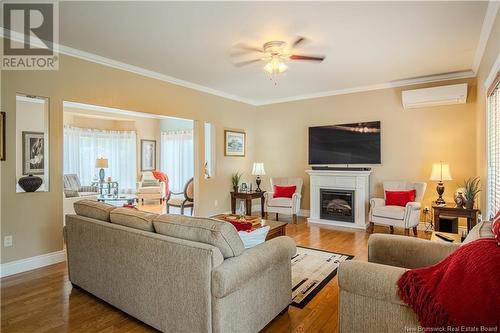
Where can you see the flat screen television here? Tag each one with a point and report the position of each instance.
(357, 143)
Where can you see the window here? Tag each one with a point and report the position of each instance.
(177, 157)
(82, 146)
(493, 187)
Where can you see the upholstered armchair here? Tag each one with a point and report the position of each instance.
(150, 188)
(289, 206)
(396, 216)
(74, 191)
(182, 200)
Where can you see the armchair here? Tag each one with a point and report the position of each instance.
(396, 216)
(289, 206)
(74, 191)
(149, 188)
(184, 201)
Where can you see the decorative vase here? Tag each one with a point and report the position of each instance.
(469, 204)
(235, 189)
(30, 183)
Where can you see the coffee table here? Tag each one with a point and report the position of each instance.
(115, 199)
(277, 228)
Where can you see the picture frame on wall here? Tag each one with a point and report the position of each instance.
(148, 155)
(33, 153)
(234, 143)
(2, 136)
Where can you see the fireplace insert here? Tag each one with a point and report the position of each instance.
(337, 205)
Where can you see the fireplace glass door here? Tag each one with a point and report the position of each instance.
(337, 205)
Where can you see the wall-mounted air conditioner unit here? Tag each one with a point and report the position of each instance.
(443, 95)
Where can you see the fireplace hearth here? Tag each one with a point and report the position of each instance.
(337, 205)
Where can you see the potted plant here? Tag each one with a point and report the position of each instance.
(471, 189)
(235, 180)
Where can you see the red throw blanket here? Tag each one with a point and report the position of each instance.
(460, 292)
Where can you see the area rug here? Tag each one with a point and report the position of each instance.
(311, 271)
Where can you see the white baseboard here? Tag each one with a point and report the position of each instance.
(23, 265)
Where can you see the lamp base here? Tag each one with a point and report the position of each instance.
(101, 175)
(440, 191)
(258, 181)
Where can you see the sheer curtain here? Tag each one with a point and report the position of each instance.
(177, 157)
(83, 145)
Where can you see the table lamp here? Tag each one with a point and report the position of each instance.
(258, 170)
(440, 172)
(101, 163)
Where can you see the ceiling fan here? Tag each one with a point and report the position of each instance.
(274, 54)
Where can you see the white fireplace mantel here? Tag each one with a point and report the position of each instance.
(352, 180)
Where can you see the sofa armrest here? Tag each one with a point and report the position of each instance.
(408, 252)
(370, 280)
(88, 189)
(235, 272)
(413, 205)
(377, 202)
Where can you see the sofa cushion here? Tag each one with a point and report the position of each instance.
(392, 212)
(220, 234)
(133, 218)
(93, 209)
(150, 189)
(481, 230)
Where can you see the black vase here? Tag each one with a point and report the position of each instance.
(30, 183)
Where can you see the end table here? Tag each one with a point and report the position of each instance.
(453, 211)
(248, 197)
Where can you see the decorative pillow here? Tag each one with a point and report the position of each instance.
(495, 227)
(150, 182)
(71, 194)
(133, 218)
(93, 209)
(220, 234)
(254, 238)
(399, 198)
(284, 191)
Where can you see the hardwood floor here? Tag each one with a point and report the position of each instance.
(43, 300)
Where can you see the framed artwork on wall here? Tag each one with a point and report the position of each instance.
(2, 136)
(234, 143)
(33, 153)
(148, 155)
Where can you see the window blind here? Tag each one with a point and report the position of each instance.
(493, 183)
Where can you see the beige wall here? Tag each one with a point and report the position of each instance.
(35, 219)
(411, 139)
(491, 54)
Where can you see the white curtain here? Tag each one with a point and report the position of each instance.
(177, 157)
(82, 146)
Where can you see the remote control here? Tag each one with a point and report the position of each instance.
(443, 237)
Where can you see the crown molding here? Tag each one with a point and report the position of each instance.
(393, 84)
(487, 27)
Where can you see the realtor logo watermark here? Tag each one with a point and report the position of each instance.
(30, 35)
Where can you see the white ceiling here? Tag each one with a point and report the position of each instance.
(366, 43)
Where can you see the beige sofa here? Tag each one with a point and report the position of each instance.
(191, 275)
(369, 300)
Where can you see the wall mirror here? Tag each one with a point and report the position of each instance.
(32, 143)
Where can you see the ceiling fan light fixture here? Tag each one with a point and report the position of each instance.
(275, 66)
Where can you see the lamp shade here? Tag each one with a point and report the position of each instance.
(101, 163)
(258, 169)
(440, 172)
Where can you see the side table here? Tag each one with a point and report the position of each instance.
(248, 197)
(453, 211)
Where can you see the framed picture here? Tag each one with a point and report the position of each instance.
(2, 136)
(148, 155)
(33, 153)
(234, 143)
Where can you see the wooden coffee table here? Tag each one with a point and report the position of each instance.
(277, 228)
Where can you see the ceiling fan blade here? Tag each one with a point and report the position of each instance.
(249, 48)
(303, 57)
(244, 63)
(298, 41)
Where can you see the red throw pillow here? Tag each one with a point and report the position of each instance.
(284, 191)
(495, 227)
(399, 198)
